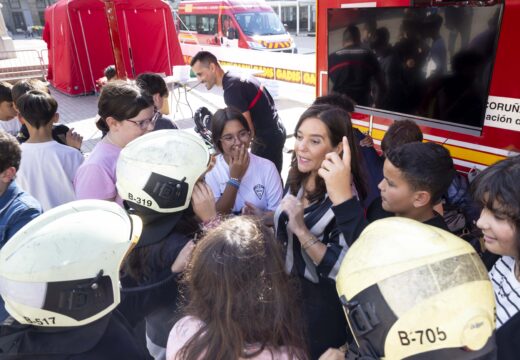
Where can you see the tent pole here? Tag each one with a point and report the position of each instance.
(86, 50)
(73, 36)
(167, 44)
(110, 11)
(129, 43)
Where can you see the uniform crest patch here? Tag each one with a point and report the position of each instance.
(259, 191)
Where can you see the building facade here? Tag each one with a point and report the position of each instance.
(297, 15)
(19, 15)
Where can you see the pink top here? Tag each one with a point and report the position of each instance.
(96, 177)
(186, 327)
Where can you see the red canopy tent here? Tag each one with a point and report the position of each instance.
(77, 35)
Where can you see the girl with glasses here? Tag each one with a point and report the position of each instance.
(241, 182)
(125, 113)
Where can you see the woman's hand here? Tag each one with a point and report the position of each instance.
(266, 216)
(203, 202)
(294, 210)
(250, 209)
(239, 162)
(336, 172)
(183, 258)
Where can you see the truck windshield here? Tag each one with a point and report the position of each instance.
(260, 23)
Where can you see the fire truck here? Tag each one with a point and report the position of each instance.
(247, 24)
(451, 66)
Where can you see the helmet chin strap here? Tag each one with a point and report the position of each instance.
(362, 321)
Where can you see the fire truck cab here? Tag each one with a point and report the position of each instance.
(451, 66)
(247, 24)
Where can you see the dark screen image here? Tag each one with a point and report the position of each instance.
(430, 62)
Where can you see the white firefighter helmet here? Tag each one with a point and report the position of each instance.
(62, 268)
(159, 170)
(413, 291)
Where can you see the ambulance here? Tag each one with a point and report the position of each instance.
(451, 66)
(243, 24)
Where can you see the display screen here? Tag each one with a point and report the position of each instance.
(429, 62)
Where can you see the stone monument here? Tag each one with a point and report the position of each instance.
(6, 43)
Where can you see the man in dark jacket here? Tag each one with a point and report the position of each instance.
(252, 99)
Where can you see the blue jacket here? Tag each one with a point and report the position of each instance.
(17, 208)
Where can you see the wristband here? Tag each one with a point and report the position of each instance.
(234, 182)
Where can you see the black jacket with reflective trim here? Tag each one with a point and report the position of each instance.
(107, 338)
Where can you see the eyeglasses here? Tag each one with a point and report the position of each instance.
(242, 136)
(143, 124)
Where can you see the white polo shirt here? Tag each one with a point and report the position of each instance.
(260, 186)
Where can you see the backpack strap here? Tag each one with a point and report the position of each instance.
(257, 97)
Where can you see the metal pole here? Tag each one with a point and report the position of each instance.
(297, 17)
(110, 11)
(309, 18)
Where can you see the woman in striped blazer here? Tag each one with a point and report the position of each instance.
(308, 222)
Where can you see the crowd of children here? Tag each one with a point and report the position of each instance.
(229, 265)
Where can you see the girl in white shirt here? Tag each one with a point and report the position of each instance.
(241, 182)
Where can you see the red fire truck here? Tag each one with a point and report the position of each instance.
(449, 65)
(247, 24)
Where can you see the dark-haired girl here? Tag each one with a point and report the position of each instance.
(126, 112)
(241, 181)
(309, 219)
(242, 303)
(497, 189)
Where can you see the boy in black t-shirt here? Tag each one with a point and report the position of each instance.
(416, 176)
(248, 95)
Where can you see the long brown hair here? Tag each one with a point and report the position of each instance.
(338, 125)
(239, 290)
